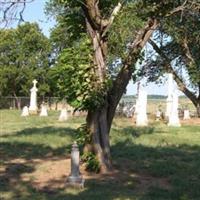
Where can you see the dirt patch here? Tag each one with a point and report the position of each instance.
(52, 174)
(192, 121)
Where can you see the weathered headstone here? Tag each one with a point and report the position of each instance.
(63, 114)
(141, 109)
(169, 95)
(25, 111)
(75, 178)
(158, 115)
(186, 114)
(43, 112)
(173, 116)
(33, 100)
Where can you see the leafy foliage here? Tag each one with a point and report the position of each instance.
(91, 162)
(23, 56)
(83, 135)
(76, 79)
(178, 39)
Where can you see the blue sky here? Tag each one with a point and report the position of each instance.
(34, 12)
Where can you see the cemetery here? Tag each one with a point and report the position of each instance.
(106, 105)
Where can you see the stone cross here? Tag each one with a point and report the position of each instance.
(34, 83)
(75, 178)
(141, 109)
(173, 116)
(33, 99)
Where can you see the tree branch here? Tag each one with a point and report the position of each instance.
(93, 11)
(12, 10)
(112, 17)
(170, 69)
(124, 76)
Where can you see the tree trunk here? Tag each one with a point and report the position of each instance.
(99, 120)
(98, 126)
(18, 102)
(198, 109)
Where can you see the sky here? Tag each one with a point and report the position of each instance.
(34, 12)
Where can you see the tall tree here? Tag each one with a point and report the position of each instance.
(95, 72)
(23, 56)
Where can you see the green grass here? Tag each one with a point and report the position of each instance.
(152, 163)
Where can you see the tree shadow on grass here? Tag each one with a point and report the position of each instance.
(137, 131)
(173, 172)
(143, 173)
(48, 130)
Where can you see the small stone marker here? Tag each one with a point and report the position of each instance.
(63, 115)
(43, 112)
(158, 115)
(33, 99)
(186, 114)
(75, 178)
(25, 111)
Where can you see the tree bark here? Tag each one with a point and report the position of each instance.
(18, 102)
(100, 144)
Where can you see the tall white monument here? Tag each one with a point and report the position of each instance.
(173, 116)
(33, 100)
(141, 109)
(169, 94)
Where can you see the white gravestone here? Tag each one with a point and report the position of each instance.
(173, 116)
(141, 109)
(33, 100)
(170, 94)
(43, 112)
(158, 115)
(186, 114)
(25, 111)
(63, 115)
(75, 178)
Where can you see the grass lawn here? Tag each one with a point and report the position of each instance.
(152, 163)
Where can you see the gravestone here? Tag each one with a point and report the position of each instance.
(169, 95)
(25, 111)
(63, 114)
(141, 109)
(33, 100)
(75, 178)
(186, 114)
(158, 115)
(43, 112)
(173, 116)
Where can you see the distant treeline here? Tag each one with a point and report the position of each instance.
(151, 96)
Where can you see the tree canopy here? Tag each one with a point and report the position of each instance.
(24, 57)
(176, 50)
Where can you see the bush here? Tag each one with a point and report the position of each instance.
(92, 164)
